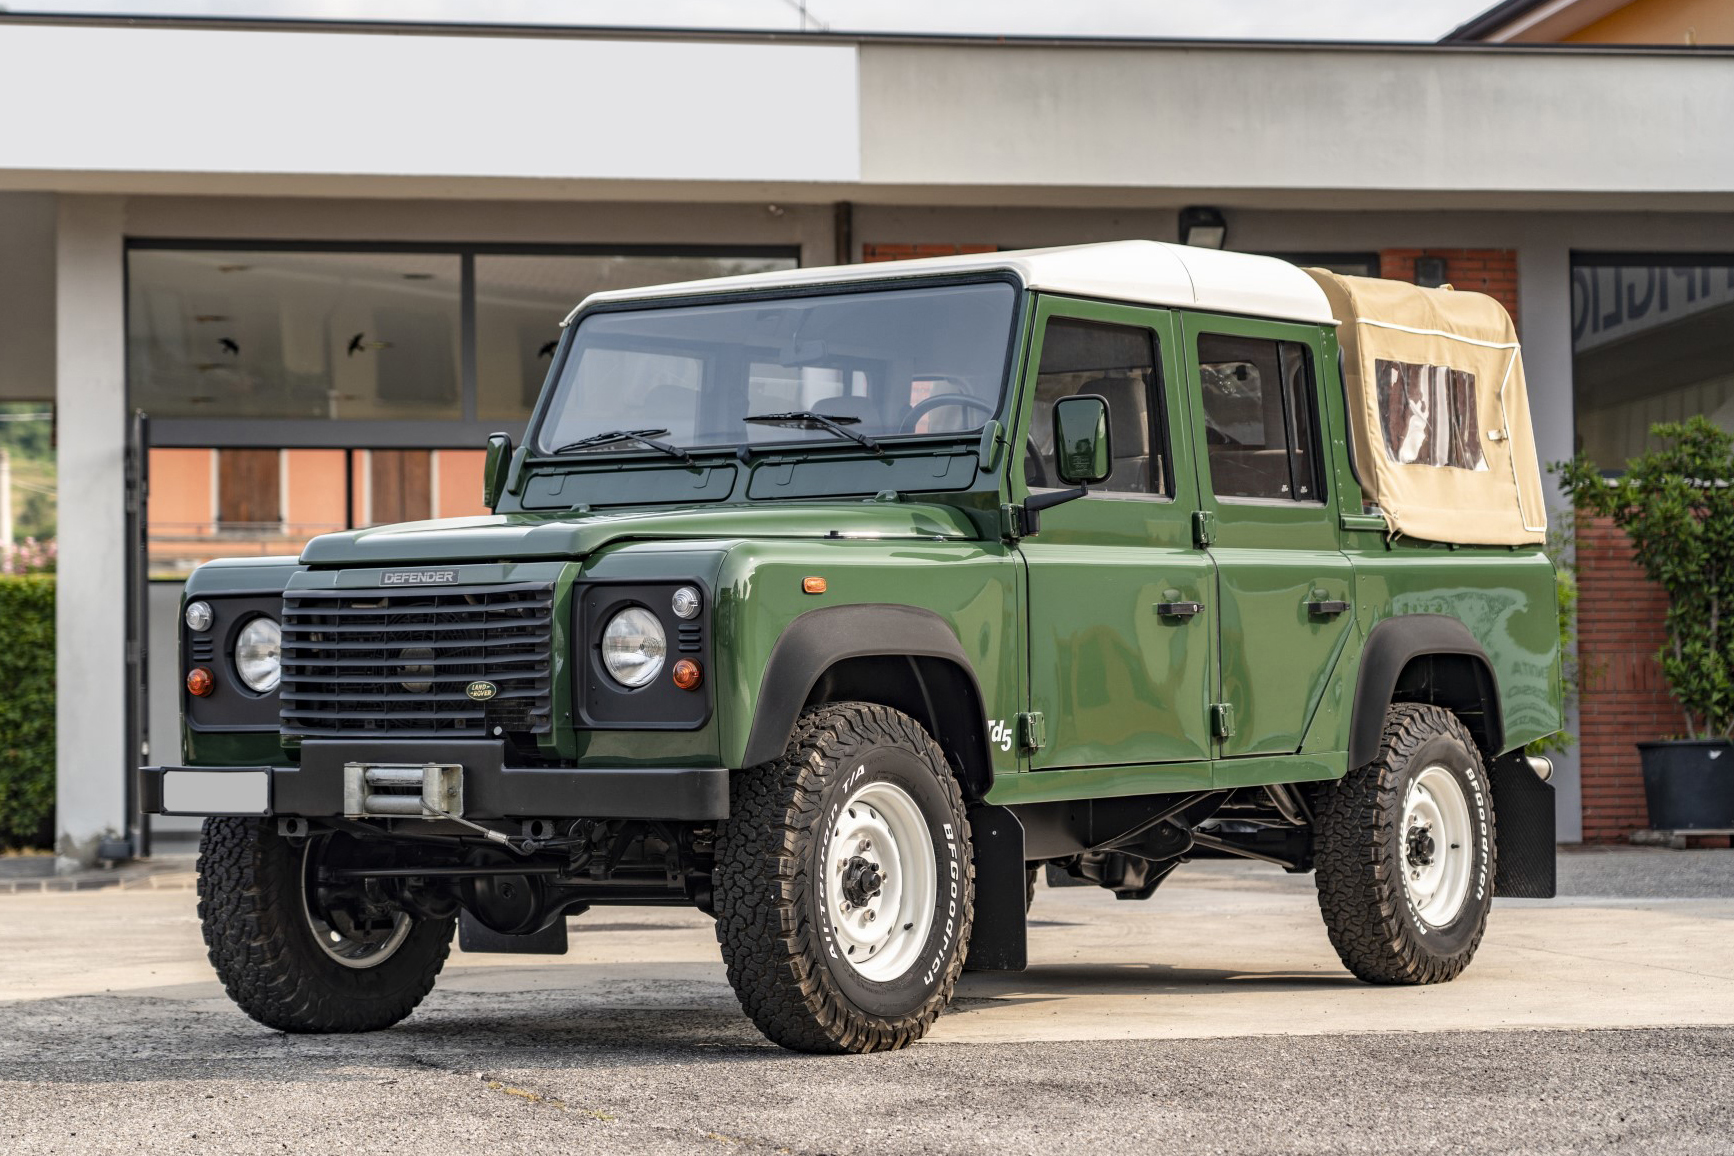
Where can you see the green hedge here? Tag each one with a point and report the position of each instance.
(26, 710)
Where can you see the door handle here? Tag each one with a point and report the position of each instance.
(1178, 609)
(1327, 607)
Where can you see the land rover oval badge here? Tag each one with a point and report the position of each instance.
(481, 691)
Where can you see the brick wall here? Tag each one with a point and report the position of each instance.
(1624, 698)
(1489, 271)
(880, 251)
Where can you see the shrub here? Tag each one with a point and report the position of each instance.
(1676, 504)
(26, 710)
(30, 557)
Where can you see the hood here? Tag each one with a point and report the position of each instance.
(564, 535)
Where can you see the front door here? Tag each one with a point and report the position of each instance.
(1120, 602)
(1283, 583)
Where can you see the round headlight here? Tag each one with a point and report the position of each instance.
(633, 646)
(199, 616)
(686, 602)
(259, 654)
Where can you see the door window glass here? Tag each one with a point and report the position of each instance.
(1258, 418)
(1118, 362)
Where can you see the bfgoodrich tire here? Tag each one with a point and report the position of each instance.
(292, 962)
(1404, 852)
(844, 883)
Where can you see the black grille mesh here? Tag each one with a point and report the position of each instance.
(398, 662)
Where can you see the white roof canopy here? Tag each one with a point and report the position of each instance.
(1144, 272)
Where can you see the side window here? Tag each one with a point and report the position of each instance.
(1428, 415)
(1259, 424)
(1119, 363)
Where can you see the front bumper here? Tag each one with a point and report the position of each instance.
(490, 789)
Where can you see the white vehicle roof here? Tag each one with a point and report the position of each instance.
(1143, 272)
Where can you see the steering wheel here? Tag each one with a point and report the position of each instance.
(1035, 472)
(939, 401)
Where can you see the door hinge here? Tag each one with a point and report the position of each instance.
(1203, 528)
(1032, 732)
(1222, 720)
(1011, 522)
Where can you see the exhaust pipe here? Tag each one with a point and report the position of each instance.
(1542, 766)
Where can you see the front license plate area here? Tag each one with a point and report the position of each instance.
(216, 792)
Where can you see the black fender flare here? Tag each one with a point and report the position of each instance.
(820, 639)
(1392, 645)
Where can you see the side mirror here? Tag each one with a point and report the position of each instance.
(1082, 450)
(494, 469)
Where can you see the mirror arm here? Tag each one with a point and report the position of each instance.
(1036, 503)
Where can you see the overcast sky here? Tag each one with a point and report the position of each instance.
(1226, 19)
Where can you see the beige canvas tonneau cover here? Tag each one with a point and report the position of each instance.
(1438, 411)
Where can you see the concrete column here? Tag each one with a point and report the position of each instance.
(1544, 318)
(92, 759)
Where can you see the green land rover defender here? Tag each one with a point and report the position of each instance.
(836, 603)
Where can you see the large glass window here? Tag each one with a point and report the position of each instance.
(240, 334)
(273, 345)
(521, 300)
(1652, 341)
(878, 363)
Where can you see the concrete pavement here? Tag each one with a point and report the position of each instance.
(1214, 1017)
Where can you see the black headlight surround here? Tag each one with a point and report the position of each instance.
(232, 706)
(601, 703)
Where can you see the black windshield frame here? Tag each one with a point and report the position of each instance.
(545, 411)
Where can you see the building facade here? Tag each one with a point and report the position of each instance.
(325, 261)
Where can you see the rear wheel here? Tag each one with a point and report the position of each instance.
(1404, 852)
(844, 883)
(301, 952)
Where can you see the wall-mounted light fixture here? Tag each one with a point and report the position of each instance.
(1203, 226)
(1429, 272)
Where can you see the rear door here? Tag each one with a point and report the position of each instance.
(1119, 598)
(1283, 583)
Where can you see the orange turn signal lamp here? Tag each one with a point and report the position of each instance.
(812, 585)
(199, 682)
(688, 674)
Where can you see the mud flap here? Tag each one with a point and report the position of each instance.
(997, 940)
(1524, 830)
(477, 937)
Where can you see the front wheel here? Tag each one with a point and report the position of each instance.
(299, 949)
(1404, 852)
(844, 883)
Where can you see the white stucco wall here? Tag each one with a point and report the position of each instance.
(92, 761)
(209, 101)
(1242, 119)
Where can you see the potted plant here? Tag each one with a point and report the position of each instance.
(1676, 503)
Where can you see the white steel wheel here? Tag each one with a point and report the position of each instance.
(1438, 856)
(336, 933)
(882, 881)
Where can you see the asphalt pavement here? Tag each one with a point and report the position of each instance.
(1213, 1018)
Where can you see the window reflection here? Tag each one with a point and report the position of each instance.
(1650, 343)
(294, 335)
(521, 300)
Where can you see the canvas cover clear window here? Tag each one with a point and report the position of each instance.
(883, 363)
(1117, 362)
(1259, 425)
(1427, 414)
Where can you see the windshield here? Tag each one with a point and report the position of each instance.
(875, 364)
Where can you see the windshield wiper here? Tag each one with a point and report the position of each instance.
(642, 436)
(807, 419)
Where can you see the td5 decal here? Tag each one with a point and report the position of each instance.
(999, 734)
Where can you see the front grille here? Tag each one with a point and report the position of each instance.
(398, 663)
